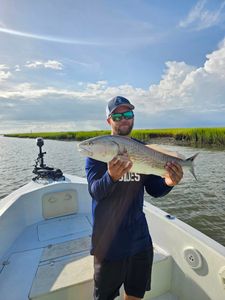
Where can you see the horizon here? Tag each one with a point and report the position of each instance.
(58, 71)
(172, 128)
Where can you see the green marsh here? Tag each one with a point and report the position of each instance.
(199, 137)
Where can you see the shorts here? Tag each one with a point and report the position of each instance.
(134, 272)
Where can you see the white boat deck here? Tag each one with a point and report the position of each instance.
(35, 245)
(45, 232)
(51, 260)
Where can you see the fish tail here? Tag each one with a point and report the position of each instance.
(191, 167)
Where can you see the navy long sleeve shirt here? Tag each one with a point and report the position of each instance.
(119, 225)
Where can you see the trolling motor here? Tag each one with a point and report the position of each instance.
(41, 170)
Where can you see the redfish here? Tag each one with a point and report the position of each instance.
(146, 159)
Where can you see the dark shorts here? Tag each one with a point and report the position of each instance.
(134, 272)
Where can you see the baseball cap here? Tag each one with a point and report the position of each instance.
(116, 102)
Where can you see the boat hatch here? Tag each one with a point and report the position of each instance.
(65, 226)
(62, 267)
(58, 204)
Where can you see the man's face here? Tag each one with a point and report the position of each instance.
(122, 127)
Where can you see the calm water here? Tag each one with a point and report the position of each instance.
(199, 203)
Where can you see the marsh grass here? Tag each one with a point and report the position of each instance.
(199, 137)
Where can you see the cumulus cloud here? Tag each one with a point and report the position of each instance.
(190, 88)
(185, 96)
(17, 68)
(30, 92)
(215, 63)
(50, 64)
(4, 72)
(181, 87)
(201, 18)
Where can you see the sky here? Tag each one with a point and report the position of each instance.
(61, 61)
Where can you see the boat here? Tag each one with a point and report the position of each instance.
(45, 238)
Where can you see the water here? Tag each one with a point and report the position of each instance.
(199, 203)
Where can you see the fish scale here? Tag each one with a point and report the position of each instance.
(144, 158)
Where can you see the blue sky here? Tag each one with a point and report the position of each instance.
(61, 61)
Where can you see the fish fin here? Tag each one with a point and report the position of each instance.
(191, 169)
(165, 151)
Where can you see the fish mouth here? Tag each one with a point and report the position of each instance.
(84, 150)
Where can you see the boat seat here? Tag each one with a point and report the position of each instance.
(66, 272)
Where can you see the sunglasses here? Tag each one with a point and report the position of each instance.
(127, 115)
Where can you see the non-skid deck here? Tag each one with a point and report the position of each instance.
(62, 266)
(66, 272)
(51, 260)
(35, 248)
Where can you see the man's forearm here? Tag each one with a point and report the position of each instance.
(101, 188)
(156, 186)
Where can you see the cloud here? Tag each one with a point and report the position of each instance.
(48, 38)
(192, 89)
(200, 18)
(4, 73)
(50, 64)
(124, 32)
(4, 67)
(185, 96)
(73, 41)
(80, 63)
(30, 92)
(181, 87)
(216, 62)
(17, 68)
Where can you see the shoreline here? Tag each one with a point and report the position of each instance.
(209, 138)
(171, 141)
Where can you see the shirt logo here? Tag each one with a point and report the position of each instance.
(130, 177)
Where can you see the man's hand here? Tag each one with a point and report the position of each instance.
(119, 165)
(174, 175)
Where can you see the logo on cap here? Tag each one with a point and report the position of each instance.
(120, 100)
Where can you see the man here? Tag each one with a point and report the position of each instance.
(121, 243)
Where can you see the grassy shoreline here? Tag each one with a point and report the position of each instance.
(197, 137)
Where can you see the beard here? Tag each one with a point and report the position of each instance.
(125, 130)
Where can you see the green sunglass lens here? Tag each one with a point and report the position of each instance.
(128, 115)
(119, 116)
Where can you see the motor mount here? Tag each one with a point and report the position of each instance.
(41, 169)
